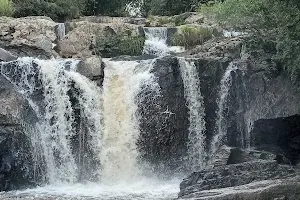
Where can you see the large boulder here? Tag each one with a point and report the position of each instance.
(28, 36)
(81, 38)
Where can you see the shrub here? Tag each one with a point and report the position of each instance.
(116, 45)
(6, 8)
(58, 10)
(191, 36)
(164, 20)
(275, 22)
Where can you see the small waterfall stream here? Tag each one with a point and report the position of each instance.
(156, 41)
(222, 122)
(191, 81)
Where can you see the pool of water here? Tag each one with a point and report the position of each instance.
(142, 190)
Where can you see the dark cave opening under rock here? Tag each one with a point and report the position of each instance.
(278, 135)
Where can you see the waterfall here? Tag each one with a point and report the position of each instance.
(51, 138)
(156, 41)
(87, 133)
(60, 31)
(194, 98)
(221, 122)
(123, 80)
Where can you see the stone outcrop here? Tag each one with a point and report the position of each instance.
(29, 36)
(280, 189)
(243, 175)
(81, 36)
(92, 68)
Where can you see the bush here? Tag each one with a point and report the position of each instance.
(191, 36)
(6, 8)
(58, 10)
(116, 45)
(164, 20)
(170, 7)
(272, 21)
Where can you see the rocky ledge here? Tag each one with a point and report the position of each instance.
(258, 176)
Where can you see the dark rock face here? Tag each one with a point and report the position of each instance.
(6, 56)
(16, 163)
(164, 124)
(210, 73)
(283, 189)
(260, 98)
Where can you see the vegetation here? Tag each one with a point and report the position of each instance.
(114, 45)
(273, 24)
(190, 36)
(6, 8)
(58, 10)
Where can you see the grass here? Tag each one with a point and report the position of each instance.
(190, 36)
(6, 8)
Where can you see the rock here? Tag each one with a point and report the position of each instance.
(234, 175)
(164, 125)
(16, 163)
(6, 56)
(194, 18)
(115, 20)
(287, 189)
(28, 36)
(92, 68)
(81, 38)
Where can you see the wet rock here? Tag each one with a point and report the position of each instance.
(287, 189)
(235, 175)
(92, 68)
(6, 56)
(164, 125)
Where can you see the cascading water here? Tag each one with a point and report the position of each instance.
(156, 41)
(61, 31)
(195, 103)
(122, 83)
(221, 122)
(55, 124)
(222, 112)
(106, 129)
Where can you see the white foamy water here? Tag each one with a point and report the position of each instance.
(123, 80)
(110, 130)
(194, 98)
(144, 189)
(61, 31)
(156, 42)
